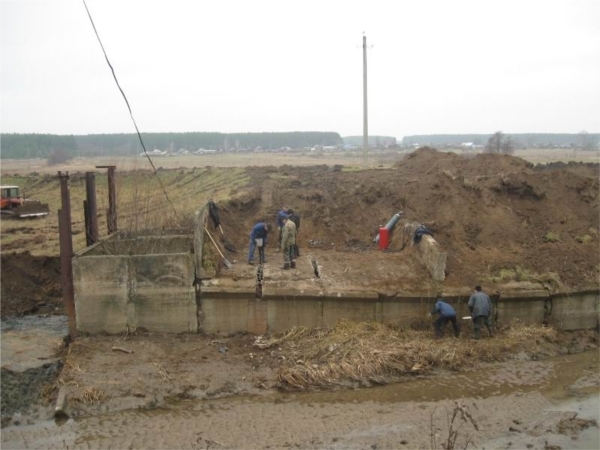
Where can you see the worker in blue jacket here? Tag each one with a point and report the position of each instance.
(258, 238)
(447, 314)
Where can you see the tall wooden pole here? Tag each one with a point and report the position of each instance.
(365, 110)
(66, 252)
(90, 209)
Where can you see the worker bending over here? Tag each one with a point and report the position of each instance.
(447, 314)
(258, 238)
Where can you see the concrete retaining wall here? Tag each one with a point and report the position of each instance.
(228, 313)
(151, 282)
(114, 294)
(578, 311)
(139, 281)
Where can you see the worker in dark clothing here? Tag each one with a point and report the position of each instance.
(280, 216)
(480, 305)
(258, 238)
(294, 217)
(447, 314)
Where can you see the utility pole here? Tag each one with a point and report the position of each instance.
(365, 110)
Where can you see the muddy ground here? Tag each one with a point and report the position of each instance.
(516, 404)
(203, 367)
(499, 218)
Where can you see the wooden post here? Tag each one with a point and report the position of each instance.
(90, 209)
(111, 218)
(66, 252)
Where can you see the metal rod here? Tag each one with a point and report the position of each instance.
(66, 252)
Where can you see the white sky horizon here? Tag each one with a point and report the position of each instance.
(435, 67)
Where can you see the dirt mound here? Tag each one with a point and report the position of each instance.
(493, 214)
(28, 283)
(586, 169)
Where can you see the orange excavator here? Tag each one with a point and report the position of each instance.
(13, 204)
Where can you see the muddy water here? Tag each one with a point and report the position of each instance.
(519, 402)
(31, 341)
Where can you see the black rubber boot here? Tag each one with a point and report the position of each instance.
(286, 266)
(293, 264)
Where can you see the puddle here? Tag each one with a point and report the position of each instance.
(31, 341)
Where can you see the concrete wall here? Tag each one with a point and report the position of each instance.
(577, 311)
(139, 281)
(227, 313)
(231, 311)
(114, 294)
(120, 286)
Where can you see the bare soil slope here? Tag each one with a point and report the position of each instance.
(491, 213)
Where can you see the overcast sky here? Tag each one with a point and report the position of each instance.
(253, 66)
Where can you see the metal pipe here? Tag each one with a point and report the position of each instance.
(390, 225)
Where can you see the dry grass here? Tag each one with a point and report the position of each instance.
(91, 396)
(368, 352)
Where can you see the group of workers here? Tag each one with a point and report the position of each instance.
(288, 224)
(480, 305)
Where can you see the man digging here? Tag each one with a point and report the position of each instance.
(447, 314)
(480, 305)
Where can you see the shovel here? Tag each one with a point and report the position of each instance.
(225, 260)
(226, 242)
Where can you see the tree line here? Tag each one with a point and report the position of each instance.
(25, 146)
(583, 139)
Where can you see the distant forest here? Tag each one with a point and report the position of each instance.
(25, 146)
(537, 140)
(373, 140)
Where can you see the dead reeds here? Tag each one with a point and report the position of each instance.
(366, 352)
(91, 396)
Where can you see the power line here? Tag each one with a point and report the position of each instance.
(130, 112)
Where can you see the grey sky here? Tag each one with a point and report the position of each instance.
(252, 66)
